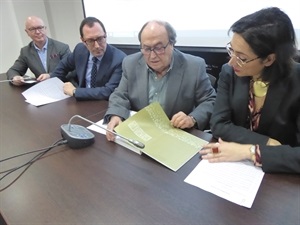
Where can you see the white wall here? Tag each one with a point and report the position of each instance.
(197, 23)
(62, 18)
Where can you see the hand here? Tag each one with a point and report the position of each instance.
(69, 88)
(18, 80)
(114, 121)
(43, 76)
(182, 121)
(227, 152)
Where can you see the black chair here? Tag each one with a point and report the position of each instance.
(213, 80)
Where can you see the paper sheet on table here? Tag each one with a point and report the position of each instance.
(48, 91)
(118, 140)
(237, 182)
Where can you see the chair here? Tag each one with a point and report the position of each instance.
(212, 79)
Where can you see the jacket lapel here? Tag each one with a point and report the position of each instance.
(142, 83)
(36, 58)
(105, 63)
(272, 103)
(240, 99)
(174, 83)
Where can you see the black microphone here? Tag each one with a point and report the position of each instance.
(79, 136)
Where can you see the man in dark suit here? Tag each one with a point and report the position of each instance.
(108, 64)
(161, 73)
(42, 54)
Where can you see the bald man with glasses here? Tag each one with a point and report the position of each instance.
(97, 64)
(161, 73)
(41, 55)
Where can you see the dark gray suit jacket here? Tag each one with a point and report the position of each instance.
(108, 75)
(188, 88)
(29, 58)
(280, 118)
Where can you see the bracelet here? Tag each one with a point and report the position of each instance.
(257, 156)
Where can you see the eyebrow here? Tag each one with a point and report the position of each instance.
(159, 43)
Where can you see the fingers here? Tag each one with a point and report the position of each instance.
(110, 136)
(114, 121)
(212, 148)
(43, 77)
(18, 80)
(68, 88)
(182, 121)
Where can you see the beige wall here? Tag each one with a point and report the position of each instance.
(62, 18)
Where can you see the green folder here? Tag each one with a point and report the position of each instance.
(170, 146)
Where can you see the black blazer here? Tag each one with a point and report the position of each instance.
(280, 118)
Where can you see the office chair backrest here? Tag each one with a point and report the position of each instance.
(212, 79)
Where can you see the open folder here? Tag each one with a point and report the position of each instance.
(170, 146)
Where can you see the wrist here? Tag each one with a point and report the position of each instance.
(252, 150)
(194, 121)
(74, 92)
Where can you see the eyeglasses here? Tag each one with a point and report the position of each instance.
(34, 29)
(99, 40)
(157, 49)
(239, 61)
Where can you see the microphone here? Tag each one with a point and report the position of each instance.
(79, 136)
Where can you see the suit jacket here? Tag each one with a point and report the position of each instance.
(188, 88)
(108, 75)
(280, 118)
(29, 58)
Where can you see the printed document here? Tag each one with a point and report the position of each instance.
(166, 144)
(118, 140)
(237, 182)
(48, 91)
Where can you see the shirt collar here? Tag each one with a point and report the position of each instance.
(44, 47)
(99, 57)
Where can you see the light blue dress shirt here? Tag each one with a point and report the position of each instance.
(43, 54)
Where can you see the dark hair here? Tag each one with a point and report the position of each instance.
(89, 21)
(268, 31)
(170, 30)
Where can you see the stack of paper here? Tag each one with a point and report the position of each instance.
(45, 92)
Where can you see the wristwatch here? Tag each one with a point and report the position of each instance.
(252, 149)
(193, 119)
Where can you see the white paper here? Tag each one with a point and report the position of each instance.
(48, 91)
(237, 182)
(118, 140)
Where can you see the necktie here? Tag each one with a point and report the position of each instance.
(94, 72)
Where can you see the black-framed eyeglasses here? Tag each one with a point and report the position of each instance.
(159, 49)
(34, 29)
(99, 40)
(239, 61)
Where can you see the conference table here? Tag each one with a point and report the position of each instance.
(106, 183)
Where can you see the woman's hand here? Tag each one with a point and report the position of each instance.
(223, 151)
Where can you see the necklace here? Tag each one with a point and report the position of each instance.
(260, 88)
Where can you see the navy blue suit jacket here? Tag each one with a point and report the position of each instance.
(108, 76)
